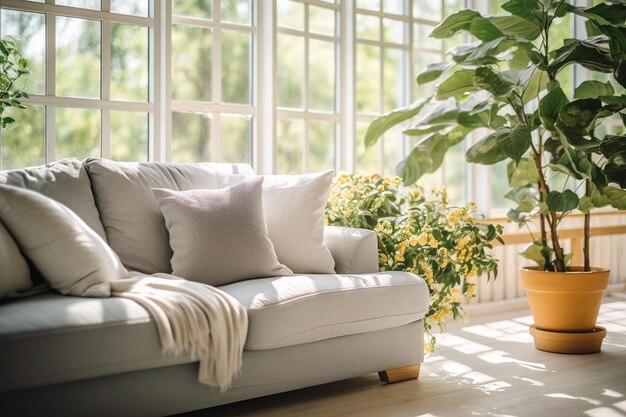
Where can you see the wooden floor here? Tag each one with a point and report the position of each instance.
(487, 367)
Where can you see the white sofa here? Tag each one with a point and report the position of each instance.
(62, 355)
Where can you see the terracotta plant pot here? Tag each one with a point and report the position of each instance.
(565, 302)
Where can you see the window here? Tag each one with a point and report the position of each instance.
(307, 51)
(89, 84)
(213, 61)
(288, 86)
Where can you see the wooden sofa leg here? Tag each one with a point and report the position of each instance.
(391, 376)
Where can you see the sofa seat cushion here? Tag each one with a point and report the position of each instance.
(285, 311)
(51, 338)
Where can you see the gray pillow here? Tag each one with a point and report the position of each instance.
(219, 236)
(14, 273)
(69, 254)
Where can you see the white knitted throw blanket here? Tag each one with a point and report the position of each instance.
(193, 318)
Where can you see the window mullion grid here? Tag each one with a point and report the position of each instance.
(381, 92)
(105, 82)
(50, 130)
(347, 141)
(216, 148)
(305, 94)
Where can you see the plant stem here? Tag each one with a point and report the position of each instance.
(587, 225)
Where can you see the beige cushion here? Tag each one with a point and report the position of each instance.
(14, 273)
(132, 218)
(65, 181)
(294, 213)
(219, 236)
(71, 256)
(285, 311)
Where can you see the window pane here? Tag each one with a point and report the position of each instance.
(191, 63)
(395, 87)
(366, 161)
(290, 136)
(290, 70)
(78, 57)
(500, 186)
(423, 59)
(132, 7)
(322, 21)
(23, 141)
(290, 14)
(85, 4)
(321, 155)
(129, 136)
(129, 62)
(237, 138)
(236, 11)
(193, 8)
(398, 6)
(368, 4)
(394, 31)
(422, 39)
(191, 137)
(29, 31)
(428, 10)
(236, 64)
(455, 174)
(322, 75)
(393, 151)
(367, 27)
(77, 133)
(367, 78)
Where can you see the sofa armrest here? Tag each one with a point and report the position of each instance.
(355, 250)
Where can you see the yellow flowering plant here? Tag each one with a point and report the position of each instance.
(421, 233)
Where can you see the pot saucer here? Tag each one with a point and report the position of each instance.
(568, 342)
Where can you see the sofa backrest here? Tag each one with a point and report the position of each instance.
(65, 181)
(131, 216)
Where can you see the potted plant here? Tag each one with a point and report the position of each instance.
(13, 67)
(507, 82)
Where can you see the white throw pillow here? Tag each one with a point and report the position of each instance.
(14, 273)
(70, 255)
(294, 214)
(219, 236)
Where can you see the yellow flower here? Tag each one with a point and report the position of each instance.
(432, 242)
(415, 193)
(423, 238)
(413, 240)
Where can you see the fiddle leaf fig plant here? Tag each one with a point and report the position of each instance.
(13, 69)
(503, 88)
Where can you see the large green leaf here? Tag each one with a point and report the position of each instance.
(442, 112)
(516, 26)
(617, 47)
(615, 169)
(580, 113)
(562, 202)
(461, 82)
(593, 89)
(605, 13)
(536, 85)
(612, 144)
(433, 71)
(388, 120)
(523, 173)
(418, 129)
(487, 151)
(615, 196)
(484, 30)
(453, 23)
(527, 9)
(497, 83)
(549, 107)
(518, 143)
(426, 156)
(592, 53)
(533, 251)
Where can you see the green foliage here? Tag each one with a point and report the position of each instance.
(516, 67)
(13, 70)
(419, 233)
